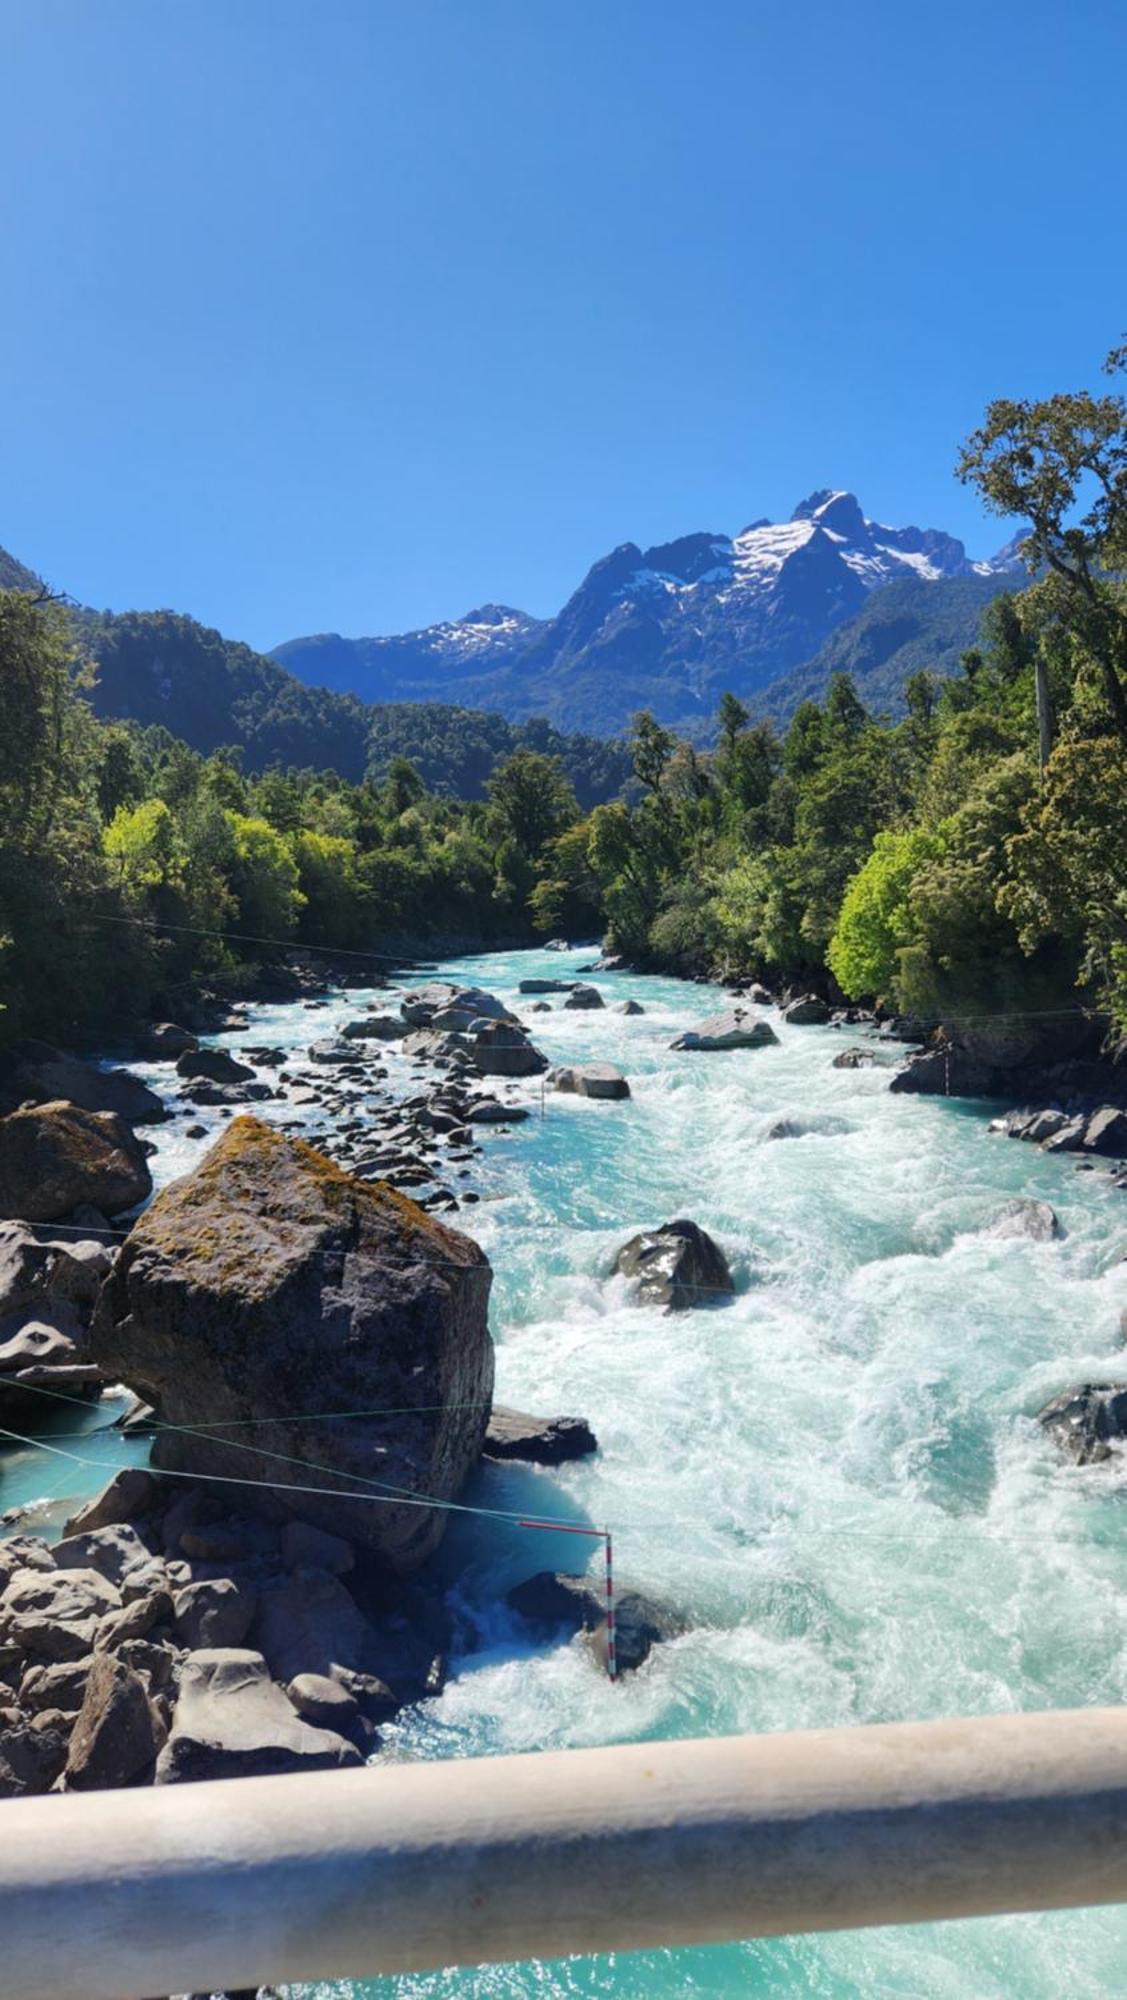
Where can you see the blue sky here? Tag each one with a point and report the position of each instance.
(350, 314)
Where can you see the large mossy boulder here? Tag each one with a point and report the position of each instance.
(54, 1157)
(327, 1331)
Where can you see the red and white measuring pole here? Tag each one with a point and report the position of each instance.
(602, 1535)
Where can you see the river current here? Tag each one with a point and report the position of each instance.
(835, 1476)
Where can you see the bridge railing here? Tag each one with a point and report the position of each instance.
(409, 1867)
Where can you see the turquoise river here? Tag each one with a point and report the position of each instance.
(835, 1476)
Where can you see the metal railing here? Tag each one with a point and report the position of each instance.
(410, 1867)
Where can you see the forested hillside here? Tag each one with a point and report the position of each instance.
(211, 692)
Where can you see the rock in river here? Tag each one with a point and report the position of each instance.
(551, 1600)
(590, 1080)
(736, 1028)
(48, 1076)
(677, 1266)
(1086, 1421)
(538, 1440)
(54, 1156)
(584, 998)
(267, 1285)
(502, 1050)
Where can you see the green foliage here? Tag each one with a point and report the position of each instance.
(130, 862)
(875, 921)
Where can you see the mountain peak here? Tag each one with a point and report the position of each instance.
(836, 510)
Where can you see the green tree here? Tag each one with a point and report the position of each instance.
(875, 921)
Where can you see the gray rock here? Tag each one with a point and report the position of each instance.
(54, 1615)
(112, 1550)
(549, 1602)
(22, 1552)
(52, 1076)
(629, 1007)
(677, 1266)
(267, 1285)
(118, 1732)
(538, 1440)
(808, 1012)
(819, 1127)
(53, 1156)
(1106, 1132)
(323, 1701)
(34, 1272)
(61, 1687)
(736, 1028)
(500, 1049)
(214, 1612)
(855, 1059)
(132, 1494)
(336, 1053)
(309, 1623)
(1068, 1138)
(490, 1111)
(231, 1721)
(590, 1080)
(1085, 1422)
(1028, 1218)
(214, 1065)
(32, 1755)
(373, 1028)
(546, 985)
(584, 999)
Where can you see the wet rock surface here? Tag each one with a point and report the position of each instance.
(538, 1440)
(1087, 1422)
(552, 1601)
(736, 1028)
(677, 1266)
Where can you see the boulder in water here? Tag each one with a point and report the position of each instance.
(546, 985)
(214, 1066)
(677, 1266)
(590, 1080)
(551, 1601)
(1085, 1422)
(1023, 1216)
(538, 1440)
(500, 1049)
(584, 998)
(267, 1286)
(629, 1007)
(736, 1028)
(374, 1027)
(855, 1059)
(49, 1076)
(54, 1156)
(453, 1008)
(808, 1012)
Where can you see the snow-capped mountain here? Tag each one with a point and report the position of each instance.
(666, 628)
